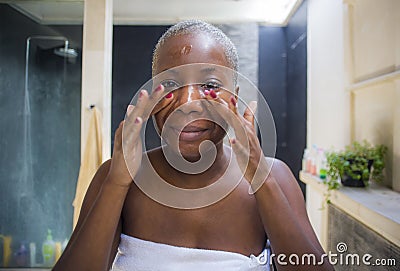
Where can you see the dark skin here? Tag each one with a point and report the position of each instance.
(238, 223)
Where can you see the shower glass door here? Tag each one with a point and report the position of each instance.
(40, 90)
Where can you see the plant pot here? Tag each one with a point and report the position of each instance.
(349, 181)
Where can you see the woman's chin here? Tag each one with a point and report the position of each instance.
(190, 153)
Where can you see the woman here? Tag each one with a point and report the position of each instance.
(230, 234)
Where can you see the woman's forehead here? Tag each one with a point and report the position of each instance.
(188, 49)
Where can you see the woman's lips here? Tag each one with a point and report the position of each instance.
(191, 133)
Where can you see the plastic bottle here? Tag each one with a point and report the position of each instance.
(7, 251)
(48, 249)
(57, 251)
(21, 256)
(32, 252)
(309, 156)
(304, 161)
(318, 160)
(323, 166)
(313, 165)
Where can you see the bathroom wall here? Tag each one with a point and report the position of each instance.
(353, 76)
(328, 102)
(283, 82)
(132, 55)
(375, 88)
(40, 144)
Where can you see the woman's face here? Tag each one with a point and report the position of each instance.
(192, 119)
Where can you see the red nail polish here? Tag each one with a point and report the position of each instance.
(141, 94)
(169, 95)
(233, 141)
(233, 101)
(213, 94)
(206, 92)
(137, 120)
(158, 88)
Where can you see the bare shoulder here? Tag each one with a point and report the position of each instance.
(280, 169)
(291, 189)
(102, 171)
(286, 180)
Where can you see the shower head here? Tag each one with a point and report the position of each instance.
(65, 51)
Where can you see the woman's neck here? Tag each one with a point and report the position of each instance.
(183, 178)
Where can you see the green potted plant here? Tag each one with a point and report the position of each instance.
(356, 165)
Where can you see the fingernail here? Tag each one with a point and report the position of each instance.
(213, 94)
(233, 141)
(158, 88)
(169, 95)
(233, 101)
(129, 109)
(141, 94)
(206, 92)
(137, 120)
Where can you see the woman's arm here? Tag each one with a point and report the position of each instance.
(94, 242)
(279, 199)
(95, 239)
(283, 213)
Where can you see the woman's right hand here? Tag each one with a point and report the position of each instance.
(127, 153)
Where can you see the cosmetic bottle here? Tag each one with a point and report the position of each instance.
(21, 256)
(32, 254)
(48, 249)
(304, 161)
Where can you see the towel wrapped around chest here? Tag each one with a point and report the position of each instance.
(137, 254)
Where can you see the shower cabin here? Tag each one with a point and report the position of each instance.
(40, 90)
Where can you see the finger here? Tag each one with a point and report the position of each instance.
(162, 102)
(146, 102)
(117, 135)
(250, 112)
(240, 150)
(129, 109)
(131, 131)
(138, 110)
(212, 96)
(154, 98)
(221, 105)
(229, 113)
(233, 104)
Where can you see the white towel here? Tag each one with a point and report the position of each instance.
(137, 254)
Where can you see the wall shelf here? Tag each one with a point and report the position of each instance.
(374, 81)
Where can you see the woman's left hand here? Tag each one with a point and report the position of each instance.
(245, 145)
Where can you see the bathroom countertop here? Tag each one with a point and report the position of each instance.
(376, 206)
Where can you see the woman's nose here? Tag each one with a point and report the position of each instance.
(189, 99)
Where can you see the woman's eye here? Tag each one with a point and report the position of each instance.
(211, 86)
(170, 84)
